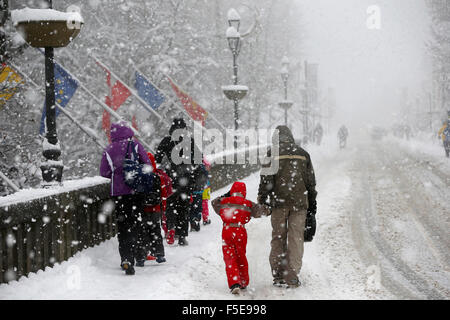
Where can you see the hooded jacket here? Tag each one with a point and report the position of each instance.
(235, 208)
(293, 186)
(111, 165)
(245, 209)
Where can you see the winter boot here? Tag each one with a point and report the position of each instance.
(129, 269)
(140, 263)
(150, 258)
(160, 259)
(195, 225)
(235, 289)
(278, 282)
(182, 241)
(295, 283)
(171, 236)
(206, 222)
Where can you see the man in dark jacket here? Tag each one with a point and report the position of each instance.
(183, 177)
(291, 195)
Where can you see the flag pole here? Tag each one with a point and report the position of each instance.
(209, 114)
(133, 92)
(65, 112)
(169, 99)
(108, 109)
(9, 182)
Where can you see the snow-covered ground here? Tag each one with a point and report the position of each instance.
(370, 243)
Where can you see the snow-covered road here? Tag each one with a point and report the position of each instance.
(383, 221)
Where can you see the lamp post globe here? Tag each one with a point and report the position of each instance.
(234, 19)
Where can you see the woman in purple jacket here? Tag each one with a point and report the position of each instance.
(129, 207)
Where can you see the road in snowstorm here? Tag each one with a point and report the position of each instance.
(401, 219)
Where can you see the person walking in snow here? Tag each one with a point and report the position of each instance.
(291, 195)
(201, 179)
(236, 211)
(444, 133)
(342, 135)
(183, 179)
(150, 238)
(129, 206)
(318, 134)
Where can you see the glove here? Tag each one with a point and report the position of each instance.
(310, 227)
(267, 211)
(312, 208)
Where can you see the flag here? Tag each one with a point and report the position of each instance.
(9, 84)
(65, 88)
(196, 112)
(118, 95)
(148, 92)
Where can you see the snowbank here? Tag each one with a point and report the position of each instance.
(32, 194)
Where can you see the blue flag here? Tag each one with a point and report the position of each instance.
(148, 92)
(65, 87)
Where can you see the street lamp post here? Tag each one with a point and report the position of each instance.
(52, 169)
(3, 11)
(49, 33)
(234, 92)
(286, 105)
(3, 17)
(234, 42)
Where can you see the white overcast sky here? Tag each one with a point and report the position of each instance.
(367, 67)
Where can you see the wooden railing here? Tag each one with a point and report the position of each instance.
(41, 232)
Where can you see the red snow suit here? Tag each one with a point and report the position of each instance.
(235, 212)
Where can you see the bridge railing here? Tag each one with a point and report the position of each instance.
(40, 228)
(40, 232)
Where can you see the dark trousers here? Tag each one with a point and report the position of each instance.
(150, 238)
(196, 207)
(129, 210)
(177, 214)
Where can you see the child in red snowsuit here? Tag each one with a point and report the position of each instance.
(236, 211)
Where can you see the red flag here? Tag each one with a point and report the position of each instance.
(196, 112)
(118, 95)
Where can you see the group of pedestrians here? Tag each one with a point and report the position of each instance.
(180, 201)
(288, 196)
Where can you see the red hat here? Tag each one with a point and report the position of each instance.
(238, 188)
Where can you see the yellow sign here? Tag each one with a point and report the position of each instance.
(9, 84)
